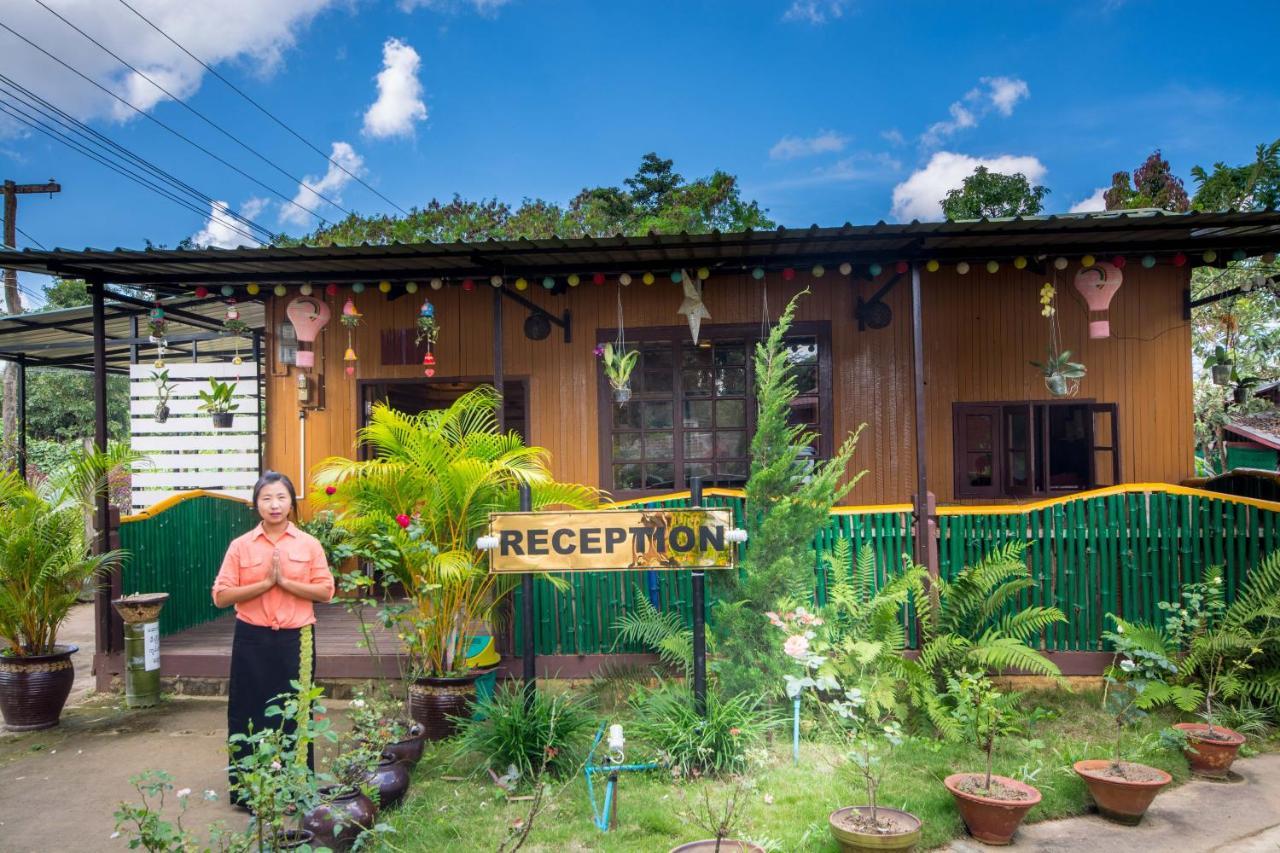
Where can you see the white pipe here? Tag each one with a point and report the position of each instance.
(302, 451)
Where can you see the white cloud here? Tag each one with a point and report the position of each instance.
(893, 136)
(919, 196)
(250, 31)
(223, 231)
(485, 8)
(815, 11)
(331, 185)
(399, 102)
(1092, 204)
(791, 147)
(1000, 94)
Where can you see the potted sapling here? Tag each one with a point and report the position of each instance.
(992, 806)
(1061, 375)
(618, 364)
(1136, 683)
(218, 402)
(163, 389)
(720, 820)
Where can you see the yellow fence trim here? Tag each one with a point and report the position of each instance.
(173, 500)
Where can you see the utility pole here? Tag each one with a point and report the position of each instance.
(13, 303)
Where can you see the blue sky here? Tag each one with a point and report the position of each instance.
(828, 111)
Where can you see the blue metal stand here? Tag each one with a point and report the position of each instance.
(600, 816)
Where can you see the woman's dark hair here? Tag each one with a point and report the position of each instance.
(275, 477)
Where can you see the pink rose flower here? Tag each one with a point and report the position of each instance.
(403, 520)
(796, 646)
(330, 490)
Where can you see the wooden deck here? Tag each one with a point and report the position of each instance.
(204, 652)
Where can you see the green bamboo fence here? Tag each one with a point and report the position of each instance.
(177, 547)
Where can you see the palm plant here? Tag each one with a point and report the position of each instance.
(430, 483)
(963, 624)
(45, 558)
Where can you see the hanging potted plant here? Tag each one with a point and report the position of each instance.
(1061, 375)
(427, 488)
(618, 364)
(163, 389)
(157, 325)
(45, 560)
(1220, 366)
(218, 402)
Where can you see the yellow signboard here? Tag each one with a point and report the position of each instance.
(611, 540)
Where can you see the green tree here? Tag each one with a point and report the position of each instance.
(1153, 185)
(993, 195)
(1251, 186)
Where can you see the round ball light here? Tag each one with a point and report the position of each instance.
(358, 287)
(963, 268)
(305, 289)
(901, 267)
(932, 265)
(384, 286)
(495, 280)
(201, 292)
(625, 279)
(1269, 258)
(818, 271)
(788, 274)
(1209, 256)
(411, 287)
(522, 283)
(1059, 263)
(846, 268)
(677, 276)
(468, 285)
(875, 270)
(331, 289)
(253, 288)
(703, 273)
(437, 283)
(1088, 261)
(1180, 260)
(548, 282)
(993, 266)
(280, 290)
(597, 278)
(757, 273)
(1148, 261)
(648, 278)
(228, 290)
(573, 280)
(1119, 261)
(1020, 263)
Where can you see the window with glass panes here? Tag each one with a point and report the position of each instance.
(692, 407)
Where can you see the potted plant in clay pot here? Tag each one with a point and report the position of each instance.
(377, 723)
(1061, 375)
(218, 402)
(618, 363)
(45, 560)
(1135, 684)
(992, 806)
(428, 486)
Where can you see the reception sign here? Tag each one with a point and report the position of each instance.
(611, 540)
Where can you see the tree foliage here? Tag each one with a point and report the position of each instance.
(1250, 186)
(656, 198)
(992, 194)
(1153, 185)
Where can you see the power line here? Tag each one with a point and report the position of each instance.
(192, 109)
(262, 109)
(16, 112)
(113, 148)
(157, 121)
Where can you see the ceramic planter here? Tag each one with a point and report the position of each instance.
(1211, 757)
(409, 750)
(728, 845)
(991, 820)
(434, 700)
(34, 689)
(338, 821)
(853, 840)
(391, 779)
(1057, 385)
(223, 420)
(1120, 800)
(294, 839)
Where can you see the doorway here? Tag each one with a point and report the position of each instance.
(413, 396)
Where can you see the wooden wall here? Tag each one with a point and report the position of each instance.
(981, 330)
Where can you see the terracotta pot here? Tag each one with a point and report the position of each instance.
(990, 820)
(728, 845)
(292, 839)
(433, 700)
(33, 689)
(1120, 800)
(391, 779)
(1209, 756)
(409, 751)
(338, 821)
(852, 841)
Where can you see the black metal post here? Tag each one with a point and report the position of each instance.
(922, 467)
(22, 416)
(102, 509)
(526, 609)
(699, 617)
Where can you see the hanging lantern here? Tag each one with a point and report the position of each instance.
(624, 279)
(495, 280)
(308, 316)
(305, 288)
(963, 268)
(648, 278)
(757, 273)
(1118, 262)
(468, 285)
(1209, 256)
(846, 268)
(901, 267)
(202, 292)
(429, 331)
(350, 358)
(233, 313)
(1148, 261)
(993, 266)
(788, 274)
(522, 283)
(331, 289)
(875, 270)
(437, 283)
(1098, 284)
(573, 280)
(932, 265)
(350, 316)
(252, 288)
(677, 276)
(598, 278)
(357, 287)
(1059, 263)
(411, 287)
(818, 271)
(548, 282)
(1179, 260)
(429, 365)
(280, 290)
(384, 286)
(1020, 263)
(228, 290)
(157, 325)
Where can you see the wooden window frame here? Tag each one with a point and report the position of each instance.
(1000, 488)
(678, 336)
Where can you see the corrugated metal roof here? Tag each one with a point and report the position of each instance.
(1132, 232)
(64, 337)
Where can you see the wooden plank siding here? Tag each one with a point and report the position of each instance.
(980, 331)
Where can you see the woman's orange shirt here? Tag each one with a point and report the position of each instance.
(248, 561)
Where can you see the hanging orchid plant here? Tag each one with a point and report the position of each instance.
(1061, 375)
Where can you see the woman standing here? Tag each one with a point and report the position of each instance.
(272, 575)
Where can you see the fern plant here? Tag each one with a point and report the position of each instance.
(963, 626)
(662, 631)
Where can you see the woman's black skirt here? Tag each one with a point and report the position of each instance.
(263, 663)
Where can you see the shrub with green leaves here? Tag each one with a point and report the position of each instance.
(552, 731)
(667, 719)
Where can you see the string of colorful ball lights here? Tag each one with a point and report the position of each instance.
(702, 273)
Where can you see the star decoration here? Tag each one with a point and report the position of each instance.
(692, 306)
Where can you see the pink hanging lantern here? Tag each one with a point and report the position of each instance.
(1098, 284)
(308, 316)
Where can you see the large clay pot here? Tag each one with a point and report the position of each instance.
(409, 751)
(1210, 757)
(338, 821)
(991, 820)
(854, 841)
(728, 845)
(433, 700)
(1120, 800)
(391, 779)
(33, 689)
(292, 839)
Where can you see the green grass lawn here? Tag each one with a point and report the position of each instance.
(788, 807)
